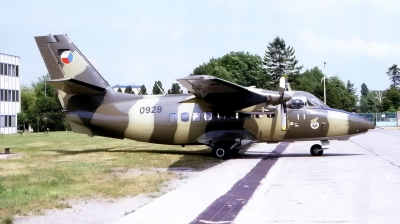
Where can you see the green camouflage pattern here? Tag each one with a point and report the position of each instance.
(216, 111)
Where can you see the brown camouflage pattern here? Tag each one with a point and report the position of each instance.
(93, 108)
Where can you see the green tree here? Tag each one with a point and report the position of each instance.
(119, 90)
(353, 98)
(369, 103)
(143, 90)
(350, 87)
(279, 60)
(391, 100)
(175, 89)
(338, 96)
(310, 81)
(128, 89)
(46, 111)
(28, 99)
(156, 89)
(238, 67)
(364, 90)
(394, 75)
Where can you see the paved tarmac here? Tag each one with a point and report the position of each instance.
(355, 181)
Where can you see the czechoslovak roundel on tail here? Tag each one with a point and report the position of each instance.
(217, 113)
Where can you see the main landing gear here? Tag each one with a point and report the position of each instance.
(224, 150)
(318, 150)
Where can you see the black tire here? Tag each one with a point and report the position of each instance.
(315, 150)
(235, 152)
(221, 151)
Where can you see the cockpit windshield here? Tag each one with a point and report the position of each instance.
(314, 101)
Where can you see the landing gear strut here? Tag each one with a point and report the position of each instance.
(318, 150)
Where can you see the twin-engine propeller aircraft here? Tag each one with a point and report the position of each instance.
(217, 113)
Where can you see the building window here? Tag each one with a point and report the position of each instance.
(185, 117)
(17, 70)
(173, 118)
(7, 121)
(9, 95)
(1, 68)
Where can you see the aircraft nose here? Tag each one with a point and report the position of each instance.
(358, 124)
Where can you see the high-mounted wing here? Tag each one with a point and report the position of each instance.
(222, 93)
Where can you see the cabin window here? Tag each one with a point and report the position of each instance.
(208, 116)
(173, 117)
(196, 116)
(185, 117)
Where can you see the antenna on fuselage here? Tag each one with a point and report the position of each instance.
(160, 89)
(137, 89)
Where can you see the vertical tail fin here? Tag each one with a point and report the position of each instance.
(69, 69)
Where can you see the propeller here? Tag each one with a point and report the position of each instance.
(282, 101)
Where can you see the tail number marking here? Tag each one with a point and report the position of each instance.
(152, 110)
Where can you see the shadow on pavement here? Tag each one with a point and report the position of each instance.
(190, 161)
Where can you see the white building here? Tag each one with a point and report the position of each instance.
(10, 95)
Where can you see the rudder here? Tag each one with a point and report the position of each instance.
(69, 69)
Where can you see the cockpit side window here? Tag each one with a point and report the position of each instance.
(313, 101)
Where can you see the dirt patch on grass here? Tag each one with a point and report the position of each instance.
(107, 210)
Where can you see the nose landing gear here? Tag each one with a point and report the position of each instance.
(318, 150)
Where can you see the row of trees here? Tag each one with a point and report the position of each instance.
(41, 108)
(157, 89)
(251, 70)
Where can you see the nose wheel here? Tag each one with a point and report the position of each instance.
(316, 150)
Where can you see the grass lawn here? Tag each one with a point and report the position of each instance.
(48, 169)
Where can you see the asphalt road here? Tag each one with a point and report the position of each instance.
(355, 181)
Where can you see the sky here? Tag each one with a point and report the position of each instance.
(139, 42)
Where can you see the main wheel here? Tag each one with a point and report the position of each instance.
(235, 152)
(221, 151)
(316, 150)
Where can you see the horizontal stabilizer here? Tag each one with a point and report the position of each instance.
(73, 86)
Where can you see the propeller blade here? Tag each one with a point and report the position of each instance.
(284, 118)
(282, 86)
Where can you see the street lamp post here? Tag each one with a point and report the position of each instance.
(324, 84)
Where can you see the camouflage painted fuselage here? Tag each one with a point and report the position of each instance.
(216, 111)
(129, 119)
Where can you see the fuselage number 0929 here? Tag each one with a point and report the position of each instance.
(153, 110)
